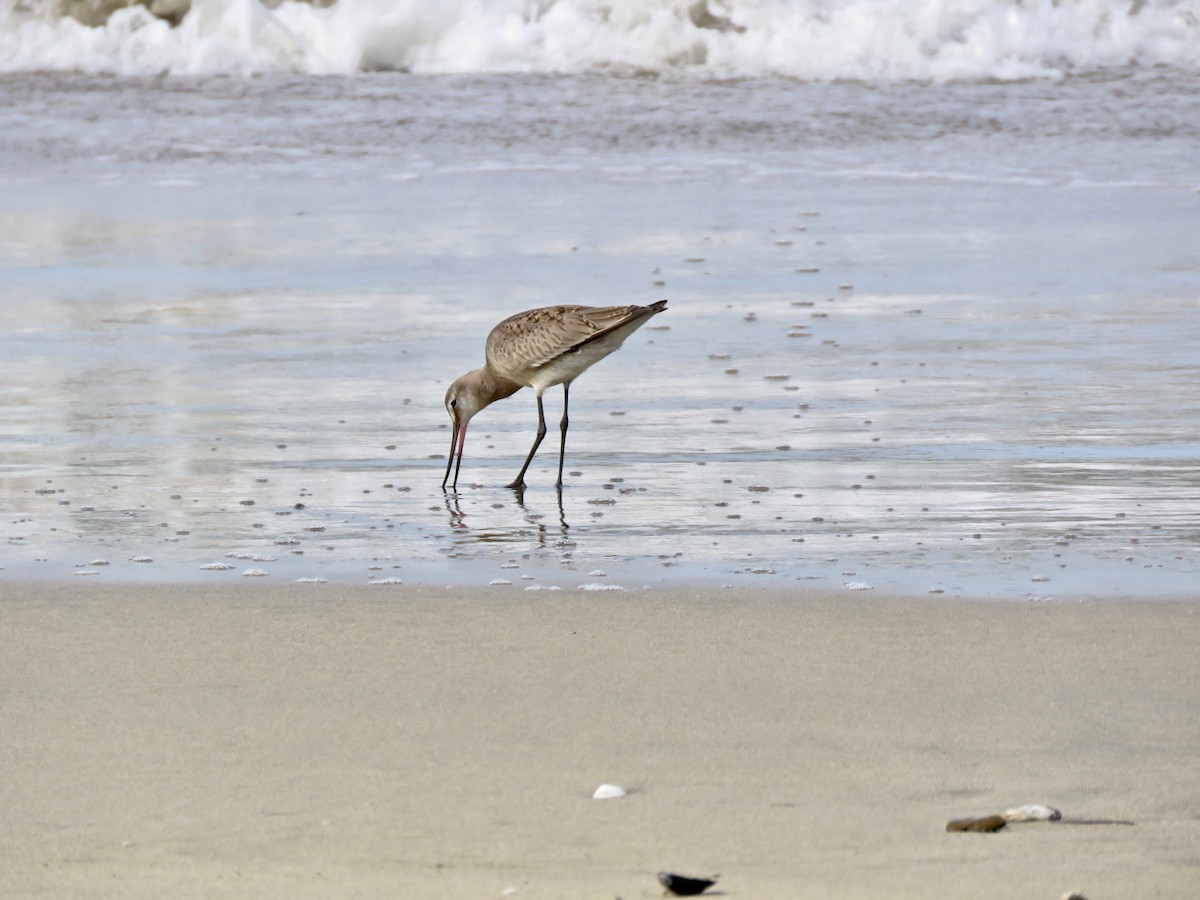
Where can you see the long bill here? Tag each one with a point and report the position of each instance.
(458, 437)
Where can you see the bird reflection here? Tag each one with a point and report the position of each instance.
(519, 494)
(455, 510)
(491, 534)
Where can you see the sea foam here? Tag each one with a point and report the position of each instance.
(811, 39)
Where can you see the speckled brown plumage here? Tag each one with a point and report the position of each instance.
(530, 340)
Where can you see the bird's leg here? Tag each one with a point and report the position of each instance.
(518, 483)
(562, 444)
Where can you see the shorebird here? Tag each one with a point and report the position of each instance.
(538, 348)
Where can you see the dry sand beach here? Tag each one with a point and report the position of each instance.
(333, 741)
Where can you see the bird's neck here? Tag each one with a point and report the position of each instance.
(493, 387)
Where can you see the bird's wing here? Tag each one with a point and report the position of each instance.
(533, 338)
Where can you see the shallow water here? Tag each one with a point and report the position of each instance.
(920, 337)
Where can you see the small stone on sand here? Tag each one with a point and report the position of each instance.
(986, 823)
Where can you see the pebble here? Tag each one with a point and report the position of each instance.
(987, 823)
(683, 886)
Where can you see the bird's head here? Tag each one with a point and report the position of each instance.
(463, 398)
(466, 396)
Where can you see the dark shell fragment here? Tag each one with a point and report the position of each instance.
(682, 886)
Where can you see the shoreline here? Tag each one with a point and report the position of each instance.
(579, 583)
(268, 740)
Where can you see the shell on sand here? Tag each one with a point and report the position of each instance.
(609, 792)
(1032, 812)
(683, 886)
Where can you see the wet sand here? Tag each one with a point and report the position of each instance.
(919, 336)
(321, 740)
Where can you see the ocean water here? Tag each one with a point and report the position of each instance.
(931, 327)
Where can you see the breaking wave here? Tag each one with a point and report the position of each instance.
(939, 40)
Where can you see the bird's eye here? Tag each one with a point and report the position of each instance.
(453, 403)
